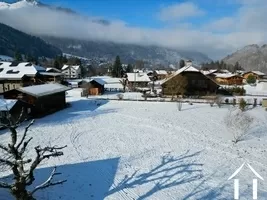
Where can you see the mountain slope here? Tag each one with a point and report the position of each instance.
(12, 40)
(251, 57)
(128, 52)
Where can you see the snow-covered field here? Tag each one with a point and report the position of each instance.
(147, 150)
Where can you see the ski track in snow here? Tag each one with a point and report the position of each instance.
(140, 133)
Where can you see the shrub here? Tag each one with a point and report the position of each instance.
(242, 104)
(226, 101)
(255, 103)
(120, 96)
(234, 102)
(219, 100)
(239, 123)
(251, 79)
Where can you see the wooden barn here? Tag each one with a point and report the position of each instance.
(44, 99)
(197, 82)
(228, 79)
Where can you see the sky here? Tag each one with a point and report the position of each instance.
(214, 27)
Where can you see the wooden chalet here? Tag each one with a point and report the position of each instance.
(43, 99)
(257, 74)
(228, 79)
(198, 83)
(14, 75)
(161, 74)
(137, 79)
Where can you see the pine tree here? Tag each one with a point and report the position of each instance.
(117, 70)
(18, 56)
(129, 68)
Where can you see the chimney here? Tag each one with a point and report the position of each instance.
(188, 62)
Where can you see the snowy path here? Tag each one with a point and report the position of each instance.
(142, 150)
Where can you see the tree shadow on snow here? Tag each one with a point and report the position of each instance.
(171, 172)
(78, 110)
(88, 180)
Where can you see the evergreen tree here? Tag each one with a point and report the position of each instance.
(181, 63)
(57, 64)
(117, 70)
(129, 68)
(18, 56)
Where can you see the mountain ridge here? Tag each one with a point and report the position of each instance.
(13, 40)
(250, 57)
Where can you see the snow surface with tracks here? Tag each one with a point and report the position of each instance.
(146, 150)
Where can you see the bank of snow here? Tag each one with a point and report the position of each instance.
(147, 150)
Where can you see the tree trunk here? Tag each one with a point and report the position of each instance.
(20, 193)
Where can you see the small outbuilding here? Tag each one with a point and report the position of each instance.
(43, 99)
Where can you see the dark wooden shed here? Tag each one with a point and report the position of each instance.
(95, 87)
(44, 99)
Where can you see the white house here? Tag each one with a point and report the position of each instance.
(71, 71)
(138, 79)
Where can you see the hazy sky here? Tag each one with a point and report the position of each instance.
(214, 27)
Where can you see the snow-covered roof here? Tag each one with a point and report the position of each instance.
(51, 74)
(53, 69)
(7, 104)
(44, 89)
(107, 79)
(138, 77)
(208, 72)
(114, 86)
(161, 72)
(258, 73)
(9, 70)
(221, 75)
(187, 68)
(98, 80)
(76, 67)
(224, 71)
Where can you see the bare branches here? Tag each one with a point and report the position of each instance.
(42, 154)
(25, 134)
(239, 123)
(23, 169)
(48, 182)
(5, 185)
(4, 148)
(7, 162)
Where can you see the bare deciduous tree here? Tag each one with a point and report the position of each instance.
(239, 123)
(13, 156)
(177, 85)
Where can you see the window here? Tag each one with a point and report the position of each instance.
(12, 71)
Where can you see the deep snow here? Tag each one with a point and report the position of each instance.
(146, 150)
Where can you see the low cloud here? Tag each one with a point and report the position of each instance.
(180, 11)
(250, 29)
